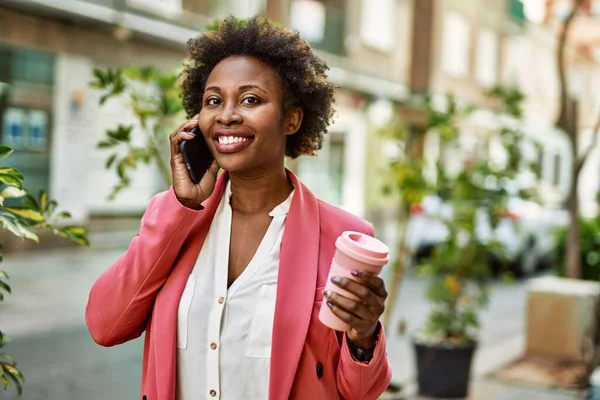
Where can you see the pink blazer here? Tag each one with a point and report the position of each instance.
(141, 292)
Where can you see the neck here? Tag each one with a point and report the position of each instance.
(259, 191)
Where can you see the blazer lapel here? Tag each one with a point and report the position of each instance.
(297, 280)
(167, 302)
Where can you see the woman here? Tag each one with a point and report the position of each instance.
(226, 277)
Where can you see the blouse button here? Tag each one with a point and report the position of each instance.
(213, 346)
(213, 393)
(221, 300)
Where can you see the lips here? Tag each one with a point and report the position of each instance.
(232, 141)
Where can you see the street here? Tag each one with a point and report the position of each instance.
(44, 317)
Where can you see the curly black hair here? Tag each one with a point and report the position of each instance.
(303, 73)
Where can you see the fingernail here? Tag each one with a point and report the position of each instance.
(336, 279)
(329, 304)
(326, 293)
(358, 274)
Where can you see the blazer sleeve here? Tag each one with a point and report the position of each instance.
(364, 381)
(121, 299)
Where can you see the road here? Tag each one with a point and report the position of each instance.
(44, 317)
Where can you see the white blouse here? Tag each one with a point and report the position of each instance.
(224, 335)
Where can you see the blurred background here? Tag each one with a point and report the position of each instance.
(88, 93)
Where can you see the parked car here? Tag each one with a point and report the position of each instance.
(526, 232)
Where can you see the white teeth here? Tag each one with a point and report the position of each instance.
(232, 139)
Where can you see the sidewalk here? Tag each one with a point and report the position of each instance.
(50, 290)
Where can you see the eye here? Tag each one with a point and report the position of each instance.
(212, 101)
(251, 100)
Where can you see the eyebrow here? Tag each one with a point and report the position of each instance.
(241, 88)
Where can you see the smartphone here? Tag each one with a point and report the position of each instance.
(196, 155)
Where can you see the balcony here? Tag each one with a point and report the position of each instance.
(174, 21)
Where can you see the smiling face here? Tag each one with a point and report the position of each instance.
(242, 116)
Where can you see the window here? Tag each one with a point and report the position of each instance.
(515, 72)
(324, 173)
(32, 66)
(377, 25)
(25, 129)
(38, 130)
(308, 18)
(556, 172)
(14, 128)
(322, 23)
(487, 58)
(456, 45)
(239, 8)
(169, 7)
(546, 76)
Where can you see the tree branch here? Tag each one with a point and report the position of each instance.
(562, 78)
(595, 140)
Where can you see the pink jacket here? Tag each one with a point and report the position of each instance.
(141, 292)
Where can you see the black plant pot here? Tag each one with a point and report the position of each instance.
(443, 370)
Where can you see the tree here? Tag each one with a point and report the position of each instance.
(25, 218)
(567, 121)
(153, 97)
(460, 267)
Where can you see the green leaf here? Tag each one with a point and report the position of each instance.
(27, 213)
(18, 228)
(75, 233)
(64, 215)
(15, 376)
(3, 275)
(111, 160)
(121, 134)
(11, 192)
(43, 200)
(12, 171)
(52, 204)
(5, 151)
(121, 169)
(30, 202)
(4, 286)
(101, 78)
(11, 181)
(104, 98)
(106, 144)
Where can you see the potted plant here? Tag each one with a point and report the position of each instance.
(459, 269)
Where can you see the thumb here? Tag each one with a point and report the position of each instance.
(214, 168)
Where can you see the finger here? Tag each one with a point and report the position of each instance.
(214, 168)
(178, 138)
(361, 291)
(187, 125)
(374, 282)
(345, 316)
(356, 308)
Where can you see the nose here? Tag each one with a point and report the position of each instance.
(229, 115)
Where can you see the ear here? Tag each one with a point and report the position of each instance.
(293, 120)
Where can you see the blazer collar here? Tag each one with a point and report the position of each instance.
(297, 280)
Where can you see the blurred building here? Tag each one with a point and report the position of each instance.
(51, 116)
(383, 54)
(583, 68)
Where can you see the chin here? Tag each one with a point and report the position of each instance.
(233, 164)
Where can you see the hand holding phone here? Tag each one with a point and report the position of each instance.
(197, 155)
(193, 167)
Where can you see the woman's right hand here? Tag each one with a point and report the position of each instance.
(188, 193)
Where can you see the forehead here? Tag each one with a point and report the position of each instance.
(241, 70)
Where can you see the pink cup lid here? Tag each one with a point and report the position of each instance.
(363, 247)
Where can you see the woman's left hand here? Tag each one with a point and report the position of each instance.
(362, 315)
